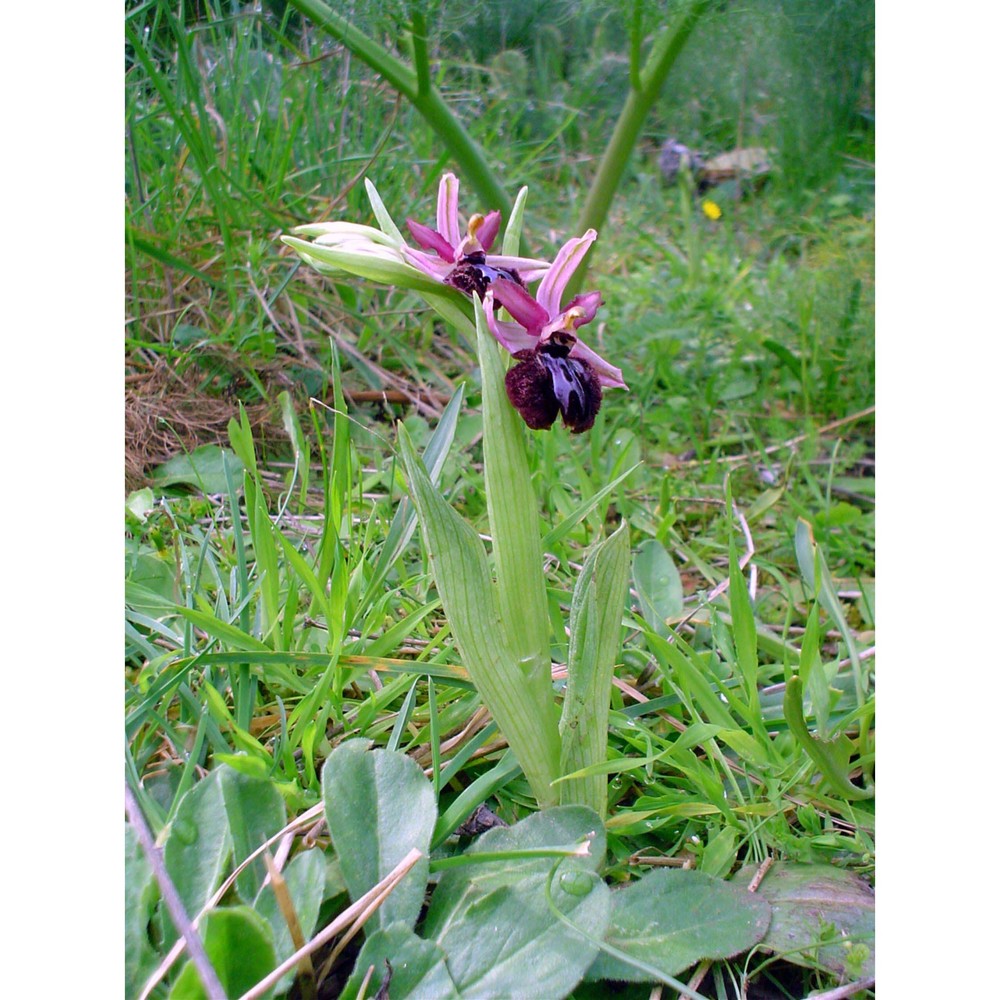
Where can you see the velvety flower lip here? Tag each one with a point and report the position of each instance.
(539, 320)
(449, 247)
(547, 382)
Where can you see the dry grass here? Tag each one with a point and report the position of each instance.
(168, 411)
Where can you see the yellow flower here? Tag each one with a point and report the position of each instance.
(711, 210)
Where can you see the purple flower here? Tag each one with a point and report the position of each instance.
(556, 372)
(464, 260)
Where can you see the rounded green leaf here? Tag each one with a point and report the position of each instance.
(305, 879)
(256, 812)
(238, 944)
(379, 806)
(418, 967)
(198, 843)
(823, 916)
(494, 919)
(671, 919)
(658, 585)
(140, 900)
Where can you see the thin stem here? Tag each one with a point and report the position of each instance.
(415, 86)
(637, 106)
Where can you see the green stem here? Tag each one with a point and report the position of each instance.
(516, 533)
(415, 86)
(665, 51)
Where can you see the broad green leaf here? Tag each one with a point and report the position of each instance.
(671, 919)
(140, 901)
(198, 844)
(418, 967)
(509, 943)
(462, 575)
(256, 811)
(658, 585)
(305, 877)
(594, 645)
(238, 943)
(822, 916)
(493, 920)
(379, 806)
(204, 468)
(151, 584)
(560, 827)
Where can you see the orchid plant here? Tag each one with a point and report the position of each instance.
(498, 616)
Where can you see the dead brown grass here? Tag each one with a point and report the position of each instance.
(168, 412)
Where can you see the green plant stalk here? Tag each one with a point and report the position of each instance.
(514, 526)
(594, 643)
(415, 86)
(667, 47)
(468, 595)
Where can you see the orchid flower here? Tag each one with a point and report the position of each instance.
(556, 372)
(464, 261)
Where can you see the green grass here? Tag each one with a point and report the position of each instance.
(276, 616)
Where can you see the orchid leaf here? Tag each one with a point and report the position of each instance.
(595, 626)
(461, 571)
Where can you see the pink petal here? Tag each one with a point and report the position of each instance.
(432, 265)
(431, 240)
(488, 230)
(609, 376)
(588, 302)
(447, 210)
(512, 336)
(521, 306)
(550, 291)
